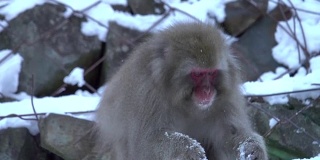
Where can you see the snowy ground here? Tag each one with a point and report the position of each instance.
(285, 53)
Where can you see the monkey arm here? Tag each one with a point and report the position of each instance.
(252, 148)
(233, 137)
(245, 143)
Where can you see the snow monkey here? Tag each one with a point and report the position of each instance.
(182, 79)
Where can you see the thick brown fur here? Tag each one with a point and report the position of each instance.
(151, 94)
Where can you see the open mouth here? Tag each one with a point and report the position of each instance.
(204, 98)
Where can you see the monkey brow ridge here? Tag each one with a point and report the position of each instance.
(202, 48)
(203, 56)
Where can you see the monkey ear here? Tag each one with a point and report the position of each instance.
(163, 49)
(160, 56)
(165, 52)
(157, 64)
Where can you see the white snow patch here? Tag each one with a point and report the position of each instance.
(271, 6)
(15, 7)
(68, 12)
(70, 103)
(301, 81)
(273, 122)
(194, 143)
(60, 105)
(286, 51)
(75, 77)
(91, 27)
(118, 2)
(3, 24)
(9, 72)
(314, 158)
(31, 125)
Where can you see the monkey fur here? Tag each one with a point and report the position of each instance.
(182, 79)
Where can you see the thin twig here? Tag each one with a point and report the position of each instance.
(153, 26)
(179, 10)
(299, 9)
(265, 135)
(303, 33)
(6, 57)
(92, 89)
(32, 94)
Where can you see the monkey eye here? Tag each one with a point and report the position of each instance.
(213, 73)
(197, 75)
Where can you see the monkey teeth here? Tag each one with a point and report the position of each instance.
(204, 102)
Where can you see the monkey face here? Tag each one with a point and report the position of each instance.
(203, 92)
(198, 77)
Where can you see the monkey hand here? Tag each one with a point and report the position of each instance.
(183, 147)
(251, 149)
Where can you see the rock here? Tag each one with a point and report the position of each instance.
(6, 99)
(287, 141)
(120, 42)
(71, 139)
(18, 144)
(256, 58)
(121, 8)
(242, 14)
(67, 137)
(145, 7)
(254, 46)
(50, 52)
(281, 13)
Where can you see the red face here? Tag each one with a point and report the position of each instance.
(203, 91)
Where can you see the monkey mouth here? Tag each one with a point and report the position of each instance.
(205, 104)
(204, 98)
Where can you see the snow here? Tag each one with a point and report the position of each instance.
(60, 105)
(9, 71)
(194, 143)
(75, 77)
(70, 103)
(271, 6)
(314, 158)
(15, 7)
(285, 52)
(198, 9)
(301, 81)
(273, 122)
(3, 24)
(32, 126)
(241, 149)
(269, 83)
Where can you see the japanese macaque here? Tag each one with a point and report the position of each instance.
(182, 79)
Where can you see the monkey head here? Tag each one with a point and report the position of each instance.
(198, 65)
